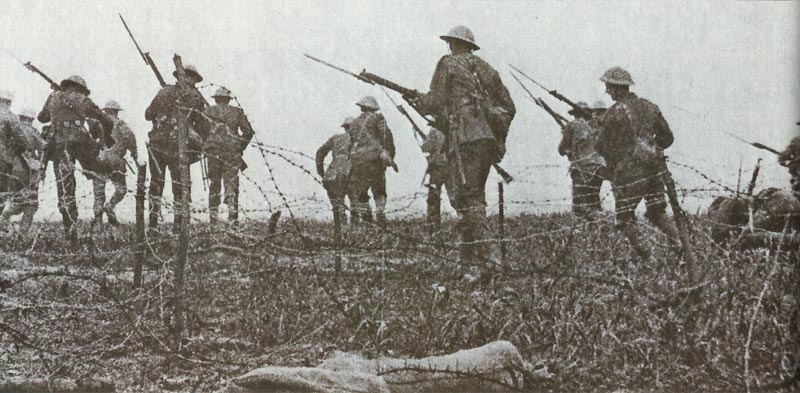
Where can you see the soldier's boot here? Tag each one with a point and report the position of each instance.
(629, 229)
(233, 212)
(213, 215)
(380, 211)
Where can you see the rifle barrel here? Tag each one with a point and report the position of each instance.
(340, 69)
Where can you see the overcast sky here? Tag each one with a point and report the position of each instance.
(712, 67)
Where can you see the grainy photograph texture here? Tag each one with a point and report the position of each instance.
(408, 196)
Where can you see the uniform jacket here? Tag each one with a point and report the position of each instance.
(370, 136)
(634, 132)
(339, 168)
(434, 147)
(230, 131)
(112, 159)
(12, 139)
(68, 111)
(163, 110)
(578, 143)
(790, 157)
(34, 145)
(469, 94)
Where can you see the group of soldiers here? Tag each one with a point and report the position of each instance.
(78, 130)
(623, 144)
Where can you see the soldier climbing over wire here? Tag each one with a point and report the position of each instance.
(469, 98)
(371, 152)
(163, 143)
(67, 109)
(632, 143)
(112, 166)
(336, 178)
(587, 167)
(28, 201)
(231, 132)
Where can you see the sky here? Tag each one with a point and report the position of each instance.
(712, 67)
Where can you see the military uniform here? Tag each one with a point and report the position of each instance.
(632, 141)
(67, 111)
(434, 146)
(790, 158)
(230, 135)
(28, 202)
(112, 166)
(170, 102)
(13, 170)
(468, 95)
(372, 151)
(336, 178)
(587, 167)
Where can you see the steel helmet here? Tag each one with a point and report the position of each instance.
(599, 104)
(347, 122)
(617, 76)
(28, 113)
(463, 34)
(112, 105)
(369, 102)
(190, 69)
(222, 92)
(76, 81)
(6, 95)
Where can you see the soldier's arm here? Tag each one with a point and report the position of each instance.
(161, 102)
(246, 128)
(386, 137)
(322, 152)
(17, 136)
(494, 85)
(663, 135)
(432, 102)
(566, 140)
(91, 110)
(44, 114)
(130, 144)
(199, 119)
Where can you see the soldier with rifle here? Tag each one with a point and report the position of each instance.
(170, 102)
(335, 179)
(371, 152)
(13, 169)
(434, 146)
(632, 142)
(28, 201)
(587, 167)
(113, 166)
(230, 134)
(790, 158)
(474, 110)
(67, 109)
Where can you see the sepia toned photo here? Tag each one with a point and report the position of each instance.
(399, 197)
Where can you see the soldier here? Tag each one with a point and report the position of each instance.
(586, 165)
(169, 103)
(372, 151)
(434, 145)
(632, 141)
(67, 109)
(467, 95)
(790, 158)
(335, 179)
(13, 174)
(32, 156)
(112, 166)
(224, 147)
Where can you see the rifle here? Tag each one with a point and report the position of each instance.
(507, 178)
(556, 94)
(754, 144)
(145, 55)
(682, 223)
(560, 120)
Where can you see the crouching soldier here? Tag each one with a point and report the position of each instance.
(335, 179)
(28, 201)
(112, 166)
(231, 132)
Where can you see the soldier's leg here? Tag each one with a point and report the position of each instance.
(157, 173)
(595, 185)
(231, 179)
(5, 173)
(434, 200)
(65, 176)
(214, 187)
(99, 191)
(656, 213)
(120, 189)
(32, 201)
(359, 189)
(578, 192)
(179, 186)
(472, 200)
(627, 196)
(378, 187)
